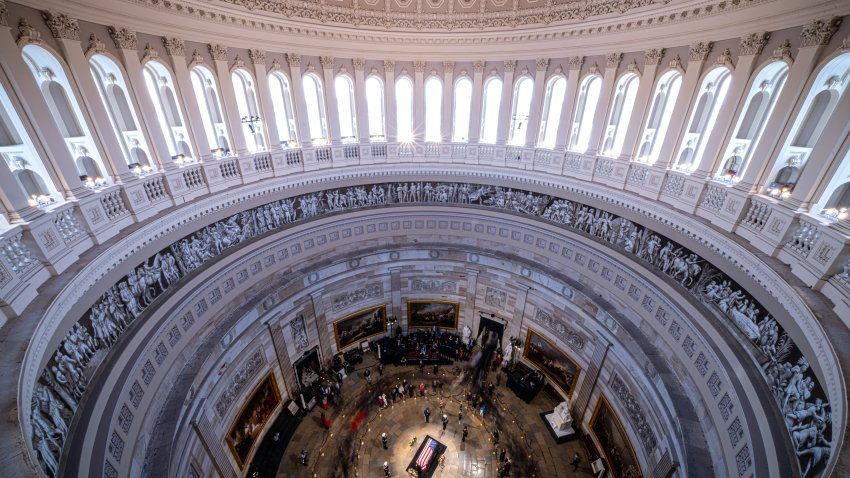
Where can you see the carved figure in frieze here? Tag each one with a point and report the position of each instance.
(170, 272)
(45, 400)
(129, 300)
(42, 446)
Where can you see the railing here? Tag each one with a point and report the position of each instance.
(379, 150)
(229, 169)
(263, 162)
(351, 152)
(155, 189)
(324, 154)
(294, 157)
(113, 204)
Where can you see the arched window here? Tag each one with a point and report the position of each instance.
(113, 92)
(620, 114)
(249, 114)
(523, 90)
(316, 117)
(433, 109)
(757, 108)
(17, 150)
(710, 98)
(206, 93)
(161, 89)
(60, 98)
(462, 107)
(658, 118)
(553, 104)
(345, 108)
(490, 110)
(585, 112)
(282, 105)
(812, 116)
(375, 107)
(404, 109)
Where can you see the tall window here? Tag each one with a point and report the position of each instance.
(16, 149)
(712, 92)
(249, 114)
(553, 104)
(375, 107)
(835, 200)
(122, 114)
(344, 88)
(757, 108)
(60, 98)
(433, 109)
(812, 116)
(620, 114)
(283, 111)
(523, 90)
(585, 112)
(658, 118)
(206, 94)
(404, 109)
(316, 118)
(490, 111)
(462, 107)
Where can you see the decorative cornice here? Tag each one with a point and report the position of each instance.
(61, 25)
(218, 52)
(418, 66)
(754, 43)
(653, 56)
(327, 62)
(294, 60)
(542, 64)
(95, 45)
(633, 67)
(197, 58)
(389, 66)
(27, 33)
(675, 63)
(448, 66)
(238, 62)
(276, 66)
(576, 62)
(4, 14)
(594, 69)
(510, 66)
(359, 64)
(725, 59)
(819, 32)
(699, 51)
(258, 57)
(150, 53)
(783, 51)
(478, 66)
(612, 60)
(174, 46)
(123, 38)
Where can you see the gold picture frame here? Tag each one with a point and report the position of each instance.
(609, 445)
(361, 325)
(243, 432)
(548, 358)
(444, 314)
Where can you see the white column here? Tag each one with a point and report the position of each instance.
(715, 144)
(642, 102)
(303, 124)
(477, 98)
(565, 125)
(389, 101)
(330, 98)
(600, 117)
(125, 41)
(185, 94)
(419, 101)
(26, 89)
(698, 53)
(447, 116)
(506, 104)
(532, 131)
(360, 100)
(269, 121)
(228, 97)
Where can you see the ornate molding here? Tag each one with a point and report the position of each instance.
(478, 66)
(675, 63)
(783, 51)
(150, 53)
(294, 60)
(389, 66)
(240, 380)
(542, 64)
(327, 62)
(560, 328)
(633, 67)
(258, 57)
(95, 45)
(174, 46)
(61, 25)
(448, 67)
(123, 38)
(238, 62)
(276, 66)
(197, 58)
(218, 52)
(725, 59)
(359, 64)
(633, 408)
(699, 51)
(433, 285)
(819, 32)
(4, 14)
(753, 43)
(612, 60)
(418, 66)
(594, 69)
(495, 298)
(510, 66)
(576, 62)
(845, 44)
(368, 292)
(653, 56)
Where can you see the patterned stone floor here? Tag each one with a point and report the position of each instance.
(344, 452)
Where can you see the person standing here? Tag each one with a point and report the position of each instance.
(386, 469)
(460, 414)
(575, 461)
(381, 369)
(496, 437)
(368, 375)
(502, 455)
(490, 388)
(427, 414)
(465, 434)
(445, 421)
(304, 457)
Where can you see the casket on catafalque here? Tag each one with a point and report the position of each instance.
(426, 459)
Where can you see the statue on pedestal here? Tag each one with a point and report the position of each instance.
(467, 334)
(561, 418)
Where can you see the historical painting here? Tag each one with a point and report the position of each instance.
(551, 361)
(252, 418)
(308, 368)
(609, 433)
(360, 325)
(432, 313)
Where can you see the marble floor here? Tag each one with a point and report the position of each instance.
(346, 451)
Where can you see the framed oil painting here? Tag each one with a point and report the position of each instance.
(351, 329)
(554, 363)
(615, 444)
(252, 418)
(432, 313)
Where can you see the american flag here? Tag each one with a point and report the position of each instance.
(427, 454)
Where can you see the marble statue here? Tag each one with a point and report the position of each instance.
(467, 334)
(561, 419)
